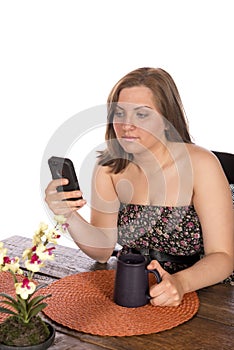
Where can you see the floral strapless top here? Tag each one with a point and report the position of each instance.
(172, 230)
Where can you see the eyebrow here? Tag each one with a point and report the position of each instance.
(136, 108)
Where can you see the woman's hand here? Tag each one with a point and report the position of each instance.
(57, 201)
(169, 292)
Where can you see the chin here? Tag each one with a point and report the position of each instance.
(132, 147)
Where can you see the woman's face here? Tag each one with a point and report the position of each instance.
(137, 123)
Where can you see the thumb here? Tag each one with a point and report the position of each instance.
(154, 264)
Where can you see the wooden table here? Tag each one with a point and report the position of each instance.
(212, 328)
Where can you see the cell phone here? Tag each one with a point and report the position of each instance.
(63, 168)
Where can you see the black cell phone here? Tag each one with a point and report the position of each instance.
(64, 168)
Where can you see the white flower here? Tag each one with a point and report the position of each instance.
(52, 236)
(43, 227)
(25, 288)
(44, 253)
(60, 219)
(11, 265)
(34, 264)
(3, 252)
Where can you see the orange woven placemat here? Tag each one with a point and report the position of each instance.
(84, 302)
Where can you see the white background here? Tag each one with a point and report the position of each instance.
(58, 58)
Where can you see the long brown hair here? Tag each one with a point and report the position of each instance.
(168, 103)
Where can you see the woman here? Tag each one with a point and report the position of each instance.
(155, 192)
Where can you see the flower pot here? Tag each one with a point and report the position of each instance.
(42, 346)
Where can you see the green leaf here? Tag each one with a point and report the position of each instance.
(7, 311)
(14, 276)
(37, 288)
(36, 310)
(22, 303)
(12, 301)
(8, 297)
(37, 300)
(14, 305)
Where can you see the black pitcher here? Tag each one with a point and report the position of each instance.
(131, 287)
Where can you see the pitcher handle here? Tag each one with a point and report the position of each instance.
(157, 277)
(156, 274)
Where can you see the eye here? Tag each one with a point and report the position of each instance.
(118, 114)
(141, 115)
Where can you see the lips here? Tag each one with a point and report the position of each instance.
(129, 138)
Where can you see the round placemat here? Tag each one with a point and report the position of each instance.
(84, 302)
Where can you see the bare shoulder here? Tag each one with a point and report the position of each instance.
(102, 181)
(199, 152)
(101, 173)
(203, 160)
(103, 190)
(208, 174)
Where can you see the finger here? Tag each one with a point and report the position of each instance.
(154, 265)
(52, 186)
(62, 204)
(165, 293)
(75, 204)
(163, 300)
(71, 195)
(62, 196)
(166, 297)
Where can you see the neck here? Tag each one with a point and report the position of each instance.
(153, 160)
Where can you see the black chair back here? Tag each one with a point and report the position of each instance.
(227, 162)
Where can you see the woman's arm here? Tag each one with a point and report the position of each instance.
(97, 238)
(213, 203)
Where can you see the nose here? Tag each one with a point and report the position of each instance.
(128, 126)
(127, 123)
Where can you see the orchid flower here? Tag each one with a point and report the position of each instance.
(24, 306)
(61, 223)
(34, 264)
(45, 253)
(25, 288)
(11, 264)
(52, 236)
(3, 252)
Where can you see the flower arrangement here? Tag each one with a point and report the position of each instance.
(25, 307)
